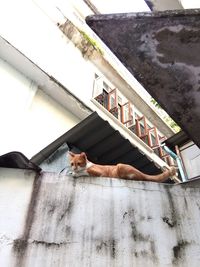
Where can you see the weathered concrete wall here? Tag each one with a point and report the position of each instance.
(15, 194)
(103, 222)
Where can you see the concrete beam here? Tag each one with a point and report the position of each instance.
(45, 81)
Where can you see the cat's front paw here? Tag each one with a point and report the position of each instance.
(75, 174)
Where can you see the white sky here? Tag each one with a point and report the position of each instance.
(123, 6)
(118, 6)
(191, 3)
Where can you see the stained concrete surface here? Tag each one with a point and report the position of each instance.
(15, 195)
(162, 50)
(108, 222)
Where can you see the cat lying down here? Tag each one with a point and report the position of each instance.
(82, 167)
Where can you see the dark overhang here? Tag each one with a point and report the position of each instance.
(103, 145)
(18, 161)
(162, 50)
(178, 139)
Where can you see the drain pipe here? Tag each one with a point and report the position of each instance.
(178, 160)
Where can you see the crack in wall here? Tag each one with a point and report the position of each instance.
(21, 244)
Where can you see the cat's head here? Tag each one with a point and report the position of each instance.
(78, 161)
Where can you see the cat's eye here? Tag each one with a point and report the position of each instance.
(72, 164)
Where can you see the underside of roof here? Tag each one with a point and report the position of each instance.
(178, 139)
(102, 144)
(162, 51)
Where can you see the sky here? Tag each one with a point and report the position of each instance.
(116, 6)
(191, 3)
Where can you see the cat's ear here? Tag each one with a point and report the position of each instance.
(71, 154)
(83, 155)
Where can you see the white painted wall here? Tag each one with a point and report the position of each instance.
(47, 121)
(44, 44)
(15, 194)
(16, 93)
(30, 119)
(42, 121)
(39, 39)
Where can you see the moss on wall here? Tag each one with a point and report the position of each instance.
(86, 44)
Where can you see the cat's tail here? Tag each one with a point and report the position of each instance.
(168, 173)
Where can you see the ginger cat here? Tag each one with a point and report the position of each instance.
(81, 167)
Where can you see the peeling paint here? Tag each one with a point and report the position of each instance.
(169, 222)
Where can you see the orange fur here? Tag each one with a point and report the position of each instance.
(81, 166)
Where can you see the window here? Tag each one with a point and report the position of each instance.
(97, 86)
(126, 113)
(153, 137)
(119, 100)
(106, 87)
(119, 112)
(112, 99)
(103, 99)
(137, 116)
(141, 126)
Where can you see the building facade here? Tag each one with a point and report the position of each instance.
(55, 72)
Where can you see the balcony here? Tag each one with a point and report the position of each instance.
(122, 109)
